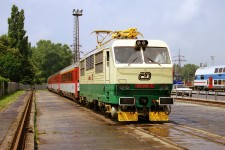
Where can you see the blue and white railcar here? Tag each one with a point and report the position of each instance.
(210, 78)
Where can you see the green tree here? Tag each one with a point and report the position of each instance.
(50, 58)
(19, 40)
(10, 63)
(188, 72)
(10, 67)
(13, 26)
(4, 44)
(16, 32)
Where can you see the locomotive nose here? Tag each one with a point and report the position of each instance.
(143, 100)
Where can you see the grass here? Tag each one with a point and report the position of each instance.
(6, 100)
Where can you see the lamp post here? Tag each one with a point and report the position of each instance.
(76, 14)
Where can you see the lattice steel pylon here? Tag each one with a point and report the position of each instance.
(179, 59)
(76, 44)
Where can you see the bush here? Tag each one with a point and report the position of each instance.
(3, 79)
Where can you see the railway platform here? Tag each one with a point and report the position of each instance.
(63, 124)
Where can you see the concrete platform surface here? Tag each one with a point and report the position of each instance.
(63, 124)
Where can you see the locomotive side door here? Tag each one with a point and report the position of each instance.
(107, 70)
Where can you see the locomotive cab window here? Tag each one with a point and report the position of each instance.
(156, 55)
(126, 55)
(150, 55)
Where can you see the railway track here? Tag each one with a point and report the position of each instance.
(182, 136)
(172, 133)
(201, 101)
(16, 136)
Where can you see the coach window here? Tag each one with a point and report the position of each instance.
(219, 82)
(67, 77)
(202, 77)
(220, 70)
(215, 82)
(216, 70)
(223, 70)
(223, 82)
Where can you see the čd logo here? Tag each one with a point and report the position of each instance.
(144, 76)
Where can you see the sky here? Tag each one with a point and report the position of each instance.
(195, 27)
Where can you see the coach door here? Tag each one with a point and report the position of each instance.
(210, 83)
(107, 70)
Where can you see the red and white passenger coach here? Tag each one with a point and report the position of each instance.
(66, 82)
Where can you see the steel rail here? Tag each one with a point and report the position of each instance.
(210, 137)
(201, 101)
(18, 139)
(200, 133)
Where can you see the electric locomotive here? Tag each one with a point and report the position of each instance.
(127, 77)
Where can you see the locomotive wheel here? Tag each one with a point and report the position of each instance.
(95, 105)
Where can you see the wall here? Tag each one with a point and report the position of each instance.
(11, 87)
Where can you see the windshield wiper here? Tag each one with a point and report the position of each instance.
(133, 61)
(153, 61)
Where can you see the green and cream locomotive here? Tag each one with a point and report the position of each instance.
(128, 77)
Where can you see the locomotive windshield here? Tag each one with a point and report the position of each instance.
(128, 55)
(131, 55)
(156, 54)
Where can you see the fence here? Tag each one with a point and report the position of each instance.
(10, 87)
(204, 95)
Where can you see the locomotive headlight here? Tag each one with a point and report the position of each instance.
(124, 86)
(138, 43)
(144, 43)
(141, 43)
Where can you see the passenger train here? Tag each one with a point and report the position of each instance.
(210, 78)
(124, 77)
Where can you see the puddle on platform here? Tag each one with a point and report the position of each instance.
(183, 139)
